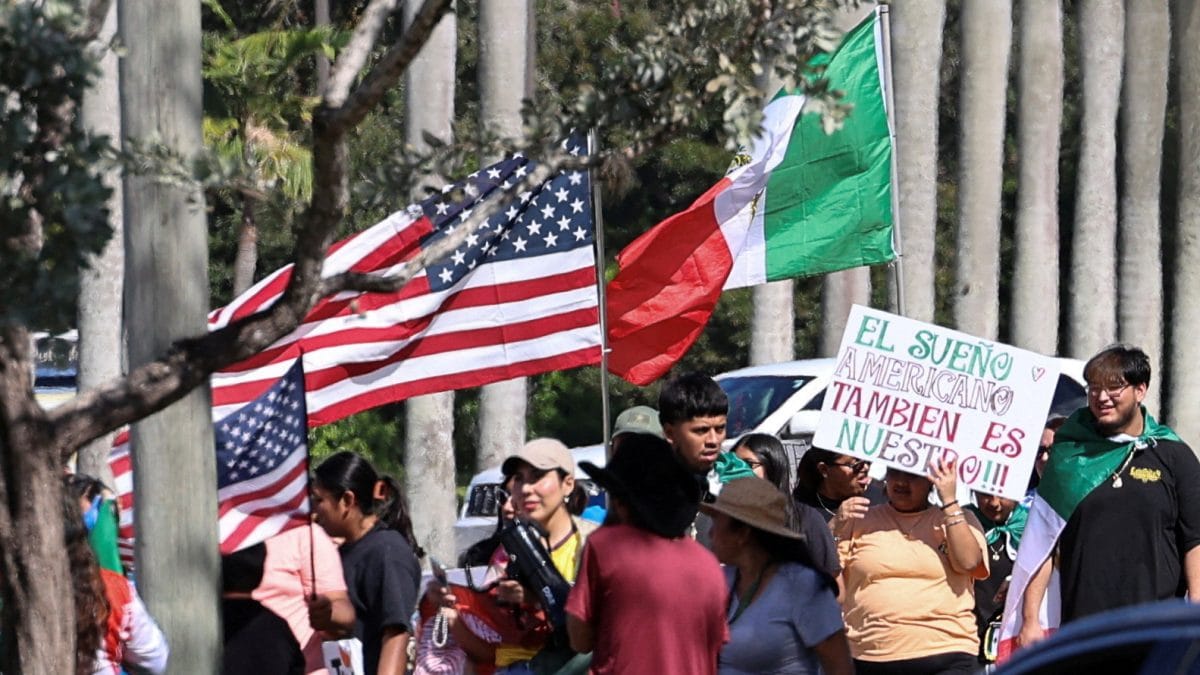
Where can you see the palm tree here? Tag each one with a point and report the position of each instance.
(916, 59)
(429, 420)
(506, 57)
(1185, 311)
(1091, 310)
(255, 103)
(1034, 317)
(1143, 104)
(986, 39)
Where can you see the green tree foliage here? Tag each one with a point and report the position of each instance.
(52, 202)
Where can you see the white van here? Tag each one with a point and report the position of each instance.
(477, 518)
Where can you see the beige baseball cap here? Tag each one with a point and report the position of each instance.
(541, 453)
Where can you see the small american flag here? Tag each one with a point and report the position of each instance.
(262, 465)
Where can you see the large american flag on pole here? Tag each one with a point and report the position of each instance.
(518, 298)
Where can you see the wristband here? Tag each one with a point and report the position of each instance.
(954, 515)
(950, 503)
(955, 521)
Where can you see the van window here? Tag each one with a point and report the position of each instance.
(751, 399)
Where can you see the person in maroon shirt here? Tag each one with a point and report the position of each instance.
(648, 599)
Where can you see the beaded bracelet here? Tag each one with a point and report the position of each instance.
(954, 515)
(955, 521)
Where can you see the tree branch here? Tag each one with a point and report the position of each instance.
(95, 14)
(387, 72)
(354, 56)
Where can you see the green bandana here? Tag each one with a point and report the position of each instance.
(731, 467)
(1082, 459)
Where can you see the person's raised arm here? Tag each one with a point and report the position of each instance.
(1031, 605)
(964, 549)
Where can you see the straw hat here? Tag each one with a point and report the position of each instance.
(755, 502)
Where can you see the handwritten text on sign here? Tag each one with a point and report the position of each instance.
(907, 393)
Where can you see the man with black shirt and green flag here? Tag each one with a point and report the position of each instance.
(1116, 519)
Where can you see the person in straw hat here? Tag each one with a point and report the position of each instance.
(647, 599)
(782, 612)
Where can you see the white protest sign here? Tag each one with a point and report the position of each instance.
(906, 393)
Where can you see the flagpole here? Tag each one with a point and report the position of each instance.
(885, 49)
(598, 222)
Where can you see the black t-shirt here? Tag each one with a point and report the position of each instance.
(1000, 566)
(257, 641)
(382, 578)
(1125, 545)
(819, 539)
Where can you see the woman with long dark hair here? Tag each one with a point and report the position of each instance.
(768, 460)
(379, 554)
(91, 606)
(783, 615)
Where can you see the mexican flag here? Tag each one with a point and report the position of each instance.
(1080, 461)
(800, 202)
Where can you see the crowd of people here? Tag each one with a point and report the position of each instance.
(706, 561)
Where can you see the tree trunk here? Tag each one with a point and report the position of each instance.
(916, 59)
(321, 19)
(101, 324)
(1184, 386)
(772, 329)
(178, 565)
(1143, 104)
(1091, 308)
(986, 39)
(839, 292)
(429, 426)
(35, 587)
(246, 259)
(506, 57)
(1034, 318)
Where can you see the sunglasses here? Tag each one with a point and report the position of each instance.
(861, 466)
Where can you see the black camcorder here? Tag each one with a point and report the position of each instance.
(530, 564)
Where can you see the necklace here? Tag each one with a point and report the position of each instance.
(564, 540)
(821, 502)
(1117, 474)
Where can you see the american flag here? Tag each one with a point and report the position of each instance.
(262, 465)
(518, 298)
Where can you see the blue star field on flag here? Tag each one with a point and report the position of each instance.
(264, 433)
(553, 217)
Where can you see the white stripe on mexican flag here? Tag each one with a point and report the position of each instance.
(1037, 543)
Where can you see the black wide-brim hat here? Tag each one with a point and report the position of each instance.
(645, 475)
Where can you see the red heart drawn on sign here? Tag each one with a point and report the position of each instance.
(1038, 373)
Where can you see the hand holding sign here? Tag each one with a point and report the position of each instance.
(942, 475)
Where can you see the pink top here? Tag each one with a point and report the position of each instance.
(288, 580)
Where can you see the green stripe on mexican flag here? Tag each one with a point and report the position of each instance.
(800, 202)
(827, 202)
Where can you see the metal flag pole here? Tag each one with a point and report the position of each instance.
(598, 223)
(885, 52)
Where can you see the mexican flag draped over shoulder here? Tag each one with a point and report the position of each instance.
(1080, 462)
(800, 202)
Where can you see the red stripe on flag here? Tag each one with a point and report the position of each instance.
(231, 502)
(588, 356)
(670, 280)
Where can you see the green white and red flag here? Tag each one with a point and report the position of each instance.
(800, 202)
